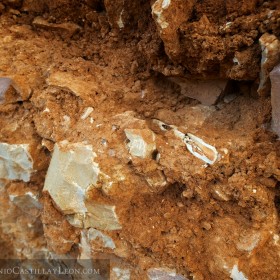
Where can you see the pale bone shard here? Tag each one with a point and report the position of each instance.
(236, 274)
(200, 149)
(141, 142)
(157, 10)
(275, 99)
(69, 27)
(72, 170)
(107, 241)
(195, 145)
(164, 274)
(16, 162)
(120, 20)
(120, 274)
(12, 91)
(207, 92)
(270, 46)
(102, 217)
(86, 113)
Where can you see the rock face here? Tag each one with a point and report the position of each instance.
(275, 98)
(207, 92)
(120, 141)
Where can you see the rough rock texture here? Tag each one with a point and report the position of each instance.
(103, 156)
(275, 99)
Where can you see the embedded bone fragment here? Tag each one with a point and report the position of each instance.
(15, 162)
(141, 142)
(86, 113)
(200, 149)
(71, 171)
(275, 98)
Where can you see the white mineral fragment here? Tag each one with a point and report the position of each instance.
(163, 273)
(236, 274)
(72, 170)
(141, 142)
(102, 216)
(15, 162)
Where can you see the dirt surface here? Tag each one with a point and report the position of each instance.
(115, 57)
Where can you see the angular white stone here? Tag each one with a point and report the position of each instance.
(72, 170)
(120, 274)
(270, 46)
(163, 273)
(107, 241)
(102, 217)
(236, 274)
(141, 142)
(15, 162)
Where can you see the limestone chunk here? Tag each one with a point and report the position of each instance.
(236, 274)
(270, 46)
(71, 171)
(105, 240)
(16, 162)
(118, 273)
(275, 99)
(26, 201)
(141, 142)
(101, 216)
(163, 273)
(207, 92)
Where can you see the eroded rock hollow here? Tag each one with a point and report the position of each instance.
(144, 133)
